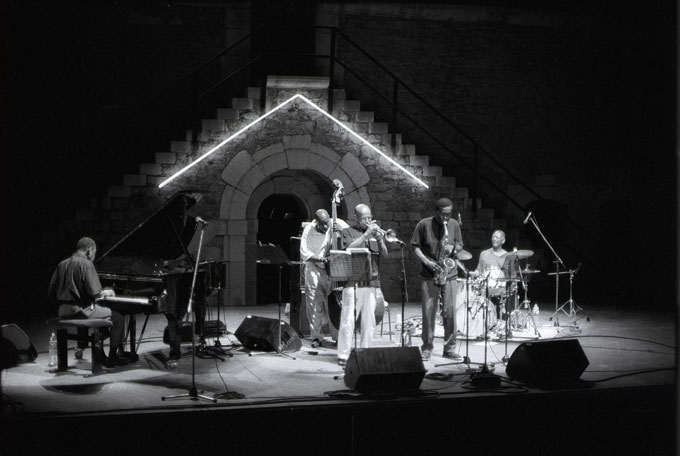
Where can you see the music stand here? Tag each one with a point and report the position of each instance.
(273, 255)
(351, 265)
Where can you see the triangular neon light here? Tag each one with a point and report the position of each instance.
(269, 113)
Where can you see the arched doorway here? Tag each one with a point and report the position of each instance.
(279, 218)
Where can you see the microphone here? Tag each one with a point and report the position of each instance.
(528, 217)
(200, 220)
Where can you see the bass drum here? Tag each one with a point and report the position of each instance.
(335, 308)
(470, 314)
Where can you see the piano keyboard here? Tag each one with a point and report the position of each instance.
(125, 299)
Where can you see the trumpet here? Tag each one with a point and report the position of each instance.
(389, 235)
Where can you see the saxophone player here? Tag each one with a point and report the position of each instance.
(435, 242)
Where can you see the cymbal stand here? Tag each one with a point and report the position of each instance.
(573, 308)
(193, 393)
(526, 304)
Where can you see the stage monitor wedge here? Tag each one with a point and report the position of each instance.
(384, 370)
(260, 333)
(548, 363)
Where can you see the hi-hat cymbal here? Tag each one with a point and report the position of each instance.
(464, 255)
(522, 254)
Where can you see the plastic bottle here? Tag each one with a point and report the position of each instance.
(53, 350)
(535, 311)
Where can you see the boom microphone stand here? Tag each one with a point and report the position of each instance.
(558, 262)
(193, 393)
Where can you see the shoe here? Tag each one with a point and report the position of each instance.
(342, 362)
(316, 343)
(115, 361)
(426, 355)
(79, 353)
(452, 355)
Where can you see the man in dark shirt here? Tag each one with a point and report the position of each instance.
(73, 289)
(435, 240)
(364, 234)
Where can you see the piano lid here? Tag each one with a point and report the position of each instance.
(163, 236)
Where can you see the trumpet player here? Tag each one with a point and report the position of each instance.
(363, 234)
(435, 241)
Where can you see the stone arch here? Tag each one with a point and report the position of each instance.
(295, 165)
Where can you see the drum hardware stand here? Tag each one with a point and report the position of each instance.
(526, 304)
(558, 261)
(573, 308)
(193, 393)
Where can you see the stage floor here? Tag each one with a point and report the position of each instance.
(626, 349)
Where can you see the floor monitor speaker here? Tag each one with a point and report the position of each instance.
(384, 370)
(260, 333)
(549, 362)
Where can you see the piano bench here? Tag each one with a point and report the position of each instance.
(82, 334)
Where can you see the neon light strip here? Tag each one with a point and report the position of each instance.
(364, 141)
(269, 113)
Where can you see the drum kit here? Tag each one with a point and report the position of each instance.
(483, 301)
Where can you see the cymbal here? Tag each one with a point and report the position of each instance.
(464, 255)
(521, 254)
(530, 271)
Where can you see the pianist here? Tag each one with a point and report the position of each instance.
(73, 289)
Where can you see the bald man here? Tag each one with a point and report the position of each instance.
(363, 234)
(314, 247)
(491, 262)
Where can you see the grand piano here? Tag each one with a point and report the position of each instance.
(151, 270)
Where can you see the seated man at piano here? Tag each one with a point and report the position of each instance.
(74, 289)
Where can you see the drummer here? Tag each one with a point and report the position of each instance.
(490, 266)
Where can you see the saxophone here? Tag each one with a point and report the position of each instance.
(444, 261)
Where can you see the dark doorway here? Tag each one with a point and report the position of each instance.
(279, 217)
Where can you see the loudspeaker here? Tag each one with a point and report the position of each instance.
(15, 346)
(550, 362)
(259, 333)
(384, 370)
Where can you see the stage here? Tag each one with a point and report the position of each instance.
(625, 399)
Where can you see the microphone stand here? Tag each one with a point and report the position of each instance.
(558, 261)
(193, 393)
(404, 295)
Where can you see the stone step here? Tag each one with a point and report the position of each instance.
(227, 114)
(242, 104)
(253, 93)
(213, 125)
(365, 116)
(166, 158)
(150, 169)
(378, 127)
(134, 180)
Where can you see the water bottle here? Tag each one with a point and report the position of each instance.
(53, 350)
(535, 311)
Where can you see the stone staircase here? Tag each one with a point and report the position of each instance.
(126, 203)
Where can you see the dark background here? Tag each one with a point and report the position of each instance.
(70, 69)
